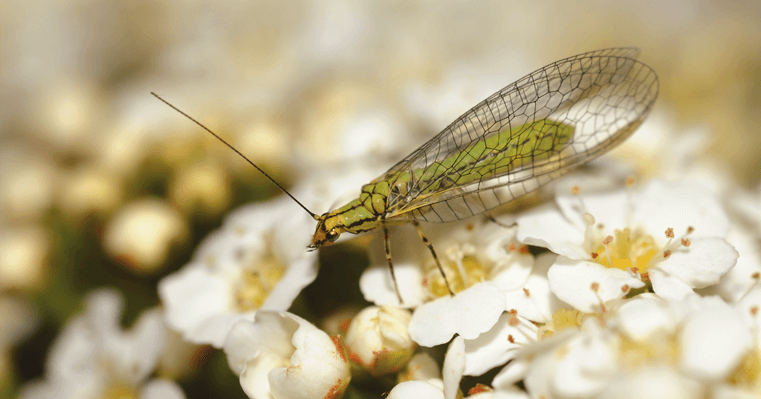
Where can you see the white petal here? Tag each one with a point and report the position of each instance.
(642, 317)
(571, 280)
(254, 378)
(104, 306)
(511, 374)
(468, 313)
(663, 380)
(376, 283)
(269, 333)
(588, 364)
(378, 287)
(162, 389)
(510, 393)
(214, 329)
(317, 368)
(422, 367)
(539, 303)
(214, 246)
(712, 343)
(300, 273)
(748, 307)
(513, 270)
(608, 209)
(494, 348)
(510, 269)
(416, 390)
(668, 286)
(538, 375)
(72, 352)
(135, 353)
(546, 227)
(281, 355)
(680, 205)
(194, 300)
(736, 282)
(702, 263)
(454, 365)
(378, 339)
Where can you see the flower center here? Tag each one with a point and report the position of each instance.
(561, 320)
(748, 373)
(120, 391)
(635, 354)
(462, 271)
(261, 272)
(628, 249)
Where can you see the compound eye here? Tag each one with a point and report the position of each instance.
(332, 236)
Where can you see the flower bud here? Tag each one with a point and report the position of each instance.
(422, 367)
(281, 355)
(378, 339)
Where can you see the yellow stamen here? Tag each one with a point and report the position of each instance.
(748, 372)
(474, 272)
(628, 249)
(120, 391)
(259, 277)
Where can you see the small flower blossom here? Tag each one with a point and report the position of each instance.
(745, 235)
(514, 332)
(258, 260)
(378, 340)
(141, 235)
(446, 388)
(422, 367)
(670, 236)
(482, 263)
(644, 345)
(280, 355)
(94, 358)
(417, 389)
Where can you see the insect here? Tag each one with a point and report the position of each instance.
(517, 140)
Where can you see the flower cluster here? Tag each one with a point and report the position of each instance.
(598, 287)
(606, 291)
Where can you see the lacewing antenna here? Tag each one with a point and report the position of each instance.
(237, 152)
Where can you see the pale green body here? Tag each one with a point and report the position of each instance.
(388, 198)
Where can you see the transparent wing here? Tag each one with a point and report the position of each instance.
(601, 96)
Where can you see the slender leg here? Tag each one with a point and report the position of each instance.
(436, 258)
(498, 223)
(390, 264)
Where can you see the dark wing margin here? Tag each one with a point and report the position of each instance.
(603, 95)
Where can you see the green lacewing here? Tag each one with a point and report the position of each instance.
(512, 143)
(515, 141)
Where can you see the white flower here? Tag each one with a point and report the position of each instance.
(93, 358)
(446, 388)
(625, 230)
(378, 340)
(142, 233)
(646, 347)
(745, 380)
(258, 260)
(515, 331)
(422, 367)
(745, 235)
(417, 389)
(483, 266)
(280, 355)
